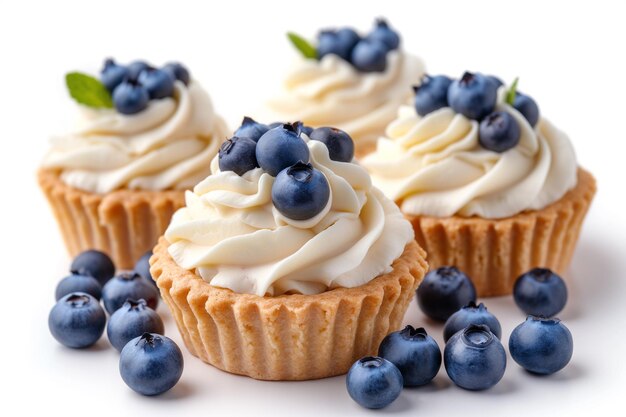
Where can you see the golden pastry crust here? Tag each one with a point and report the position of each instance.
(125, 224)
(287, 337)
(494, 252)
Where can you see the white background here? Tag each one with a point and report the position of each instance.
(570, 58)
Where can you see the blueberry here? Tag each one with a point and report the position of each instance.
(77, 320)
(340, 43)
(474, 358)
(528, 107)
(112, 74)
(135, 68)
(130, 97)
(78, 283)
(339, 143)
(94, 263)
(238, 155)
(474, 96)
(431, 94)
(128, 285)
(307, 130)
(471, 314)
(300, 192)
(151, 364)
(157, 82)
(384, 34)
(499, 132)
(133, 319)
(369, 56)
(540, 345)
(374, 382)
(280, 148)
(142, 267)
(177, 71)
(540, 292)
(444, 291)
(251, 129)
(414, 352)
(497, 82)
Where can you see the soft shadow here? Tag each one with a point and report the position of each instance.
(504, 387)
(400, 405)
(179, 391)
(593, 279)
(571, 372)
(439, 383)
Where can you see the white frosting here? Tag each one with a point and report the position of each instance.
(232, 235)
(435, 166)
(169, 145)
(331, 92)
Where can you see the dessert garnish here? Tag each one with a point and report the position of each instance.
(474, 95)
(299, 191)
(128, 89)
(365, 53)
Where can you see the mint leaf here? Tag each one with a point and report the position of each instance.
(510, 95)
(88, 90)
(306, 49)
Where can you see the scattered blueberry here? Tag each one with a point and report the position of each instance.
(471, 314)
(159, 83)
(251, 129)
(431, 94)
(128, 285)
(339, 143)
(142, 267)
(444, 291)
(369, 56)
(112, 74)
(499, 132)
(280, 148)
(540, 292)
(414, 352)
(77, 320)
(133, 319)
(151, 364)
(177, 71)
(384, 34)
(340, 43)
(94, 263)
(474, 358)
(374, 382)
(300, 192)
(275, 125)
(528, 107)
(78, 283)
(540, 345)
(135, 68)
(130, 97)
(474, 95)
(238, 155)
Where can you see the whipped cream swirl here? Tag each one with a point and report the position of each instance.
(233, 236)
(169, 145)
(434, 166)
(331, 92)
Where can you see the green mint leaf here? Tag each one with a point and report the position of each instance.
(510, 95)
(306, 49)
(88, 90)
